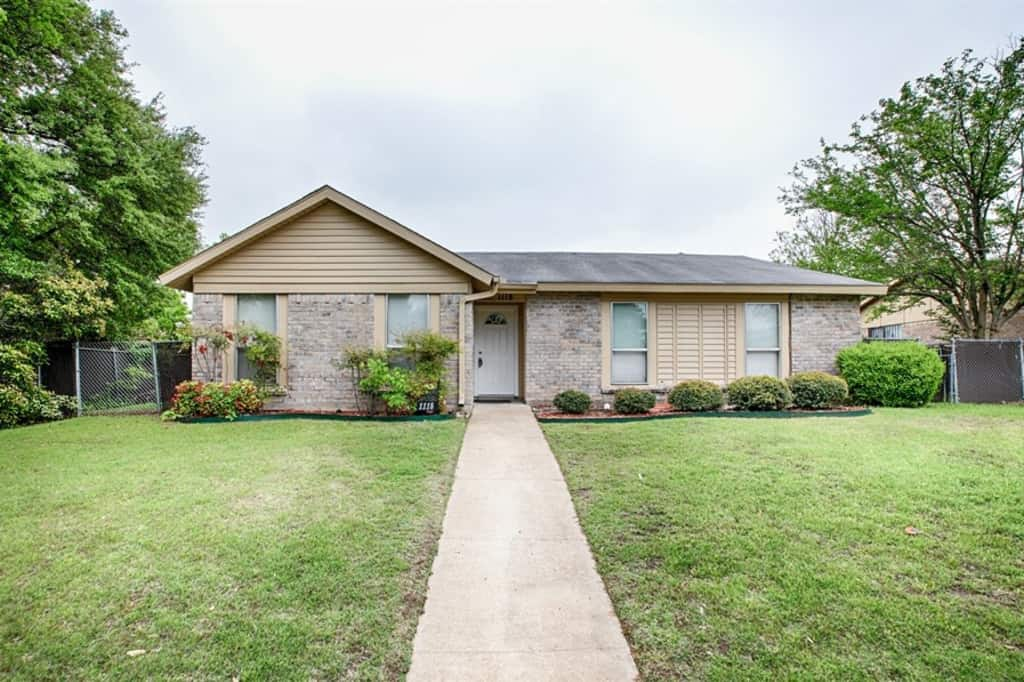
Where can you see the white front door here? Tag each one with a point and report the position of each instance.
(496, 346)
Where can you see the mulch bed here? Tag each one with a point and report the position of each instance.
(665, 411)
(314, 414)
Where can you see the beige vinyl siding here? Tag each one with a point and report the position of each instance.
(330, 250)
(697, 341)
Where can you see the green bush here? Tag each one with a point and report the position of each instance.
(759, 394)
(198, 399)
(817, 390)
(892, 374)
(394, 380)
(573, 402)
(696, 396)
(634, 401)
(22, 401)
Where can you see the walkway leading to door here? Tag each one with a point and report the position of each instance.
(514, 594)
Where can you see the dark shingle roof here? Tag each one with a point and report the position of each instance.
(645, 268)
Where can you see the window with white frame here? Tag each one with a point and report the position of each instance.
(629, 343)
(256, 310)
(886, 331)
(406, 313)
(762, 336)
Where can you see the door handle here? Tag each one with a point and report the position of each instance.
(479, 361)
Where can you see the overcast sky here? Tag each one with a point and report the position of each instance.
(536, 126)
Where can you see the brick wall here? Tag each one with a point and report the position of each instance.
(207, 309)
(469, 363)
(563, 346)
(320, 326)
(821, 326)
(450, 328)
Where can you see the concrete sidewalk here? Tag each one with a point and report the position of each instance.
(514, 594)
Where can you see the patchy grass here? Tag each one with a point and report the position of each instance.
(764, 549)
(274, 550)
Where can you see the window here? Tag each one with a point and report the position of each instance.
(406, 313)
(629, 343)
(496, 319)
(887, 331)
(762, 332)
(258, 310)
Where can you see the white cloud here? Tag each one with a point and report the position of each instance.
(534, 125)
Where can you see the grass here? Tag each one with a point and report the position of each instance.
(271, 550)
(764, 549)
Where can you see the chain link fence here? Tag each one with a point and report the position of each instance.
(117, 377)
(986, 371)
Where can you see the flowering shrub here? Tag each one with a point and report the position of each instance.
(198, 399)
(209, 344)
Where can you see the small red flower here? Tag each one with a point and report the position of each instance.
(202, 348)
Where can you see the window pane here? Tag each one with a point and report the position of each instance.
(259, 310)
(629, 325)
(762, 325)
(763, 362)
(406, 313)
(629, 367)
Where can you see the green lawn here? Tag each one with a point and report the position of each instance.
(773, 548)
(261, 550)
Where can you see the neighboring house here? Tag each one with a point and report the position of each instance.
(918, 322)
(327, 272)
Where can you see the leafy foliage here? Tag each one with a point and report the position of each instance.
(634, 401)
(572, 402)
(391, 385)
(198, 399)
(696, 395)
(89, 175)
(759, 394)
(893, 374)
(21, 400)
(168, 321)
(817, 390)
(62, 304)
(263, 350)
(428, 352)
(395, 379)
(926, 192)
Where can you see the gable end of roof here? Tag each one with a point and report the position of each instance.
(180, 276)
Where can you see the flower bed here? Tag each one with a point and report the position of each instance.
(665, 411)
(335, 416)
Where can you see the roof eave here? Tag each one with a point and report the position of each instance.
(865, 289)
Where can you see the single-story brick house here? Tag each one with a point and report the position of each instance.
(326, 272)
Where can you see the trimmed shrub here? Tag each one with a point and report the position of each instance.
(892, 374)
(634, 401)
(759, 394)
(696, 396)
(817, 390)
(572, 402)
(198, 399)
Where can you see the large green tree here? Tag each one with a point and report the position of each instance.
(93, 182)
(928, 191)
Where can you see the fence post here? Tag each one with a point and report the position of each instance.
(953, 388)
(78, 379)
(156, 376)
(1020, 351)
